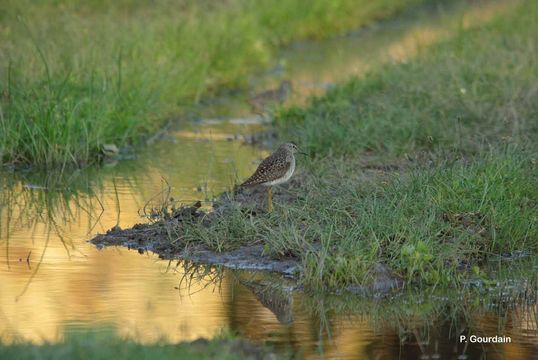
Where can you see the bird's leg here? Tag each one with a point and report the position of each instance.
(269, 199)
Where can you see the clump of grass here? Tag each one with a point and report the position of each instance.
(477, 88)
(62, 123)
(108, 72)
(225, 233)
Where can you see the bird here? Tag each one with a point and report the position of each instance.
(276, 297)
(275, 169)
(260, 101)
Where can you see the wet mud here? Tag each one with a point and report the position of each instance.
(155, 236)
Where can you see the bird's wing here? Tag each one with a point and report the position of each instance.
(270, 169)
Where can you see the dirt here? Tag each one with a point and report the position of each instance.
(152, 237)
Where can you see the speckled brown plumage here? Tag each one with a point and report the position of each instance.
(273, 168)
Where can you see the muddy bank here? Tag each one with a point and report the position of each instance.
(155, 237)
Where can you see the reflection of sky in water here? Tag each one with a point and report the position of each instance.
(68, 284)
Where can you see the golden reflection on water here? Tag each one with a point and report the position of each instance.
(52, 278)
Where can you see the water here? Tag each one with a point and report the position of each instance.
(53, 282)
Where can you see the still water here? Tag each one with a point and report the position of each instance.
(54, 282)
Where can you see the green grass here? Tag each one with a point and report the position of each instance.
(96, 345)
(459, 122)
(109, 72)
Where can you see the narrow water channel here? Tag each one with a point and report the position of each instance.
(53, 282)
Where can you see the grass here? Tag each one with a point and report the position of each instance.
(106, 72)
(459, 123)
(96, 345)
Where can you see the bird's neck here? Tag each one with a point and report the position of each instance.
(290, 157)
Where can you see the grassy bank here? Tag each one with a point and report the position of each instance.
(434, 225)
(428, 167)
(109, 346)
(109, 72)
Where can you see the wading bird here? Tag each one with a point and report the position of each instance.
(276, 169)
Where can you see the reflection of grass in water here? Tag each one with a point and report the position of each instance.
(55, 200)
(50, 199)
(432, 317)
(199, 276)
(59, 199)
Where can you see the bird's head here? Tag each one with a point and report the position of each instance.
(291, 147)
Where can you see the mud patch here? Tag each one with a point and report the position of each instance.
(155, 236)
